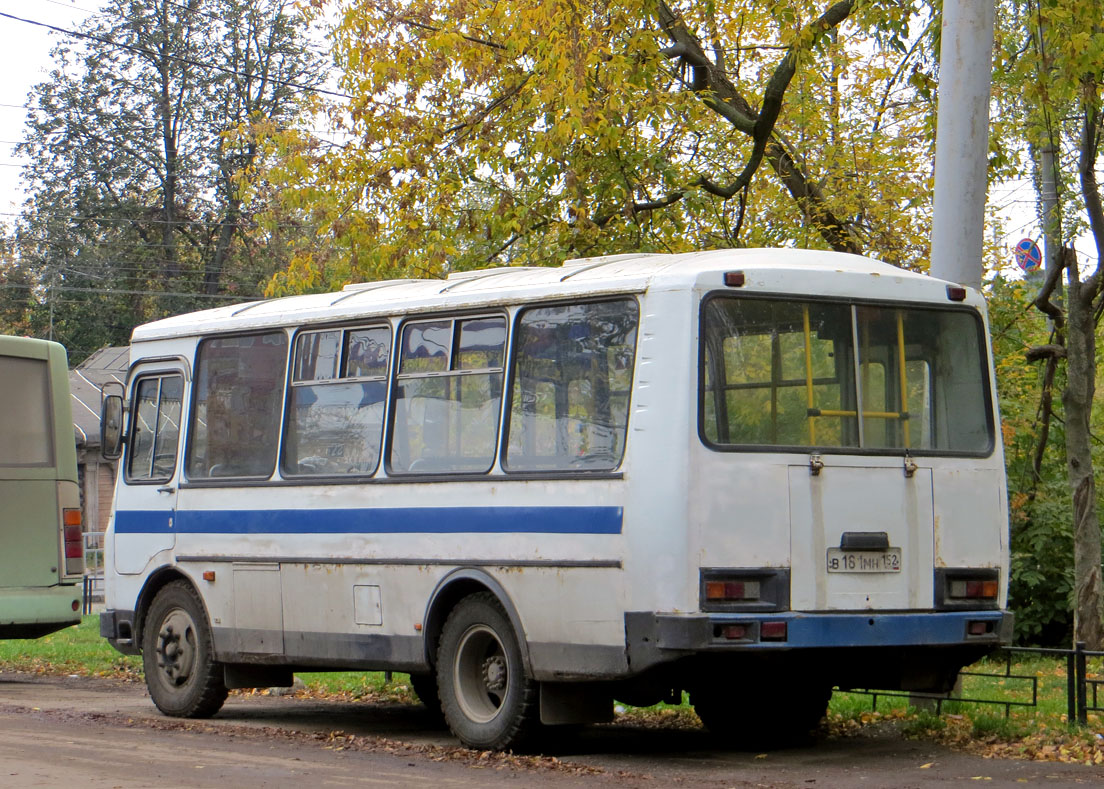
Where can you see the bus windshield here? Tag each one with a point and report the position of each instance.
(785, 373)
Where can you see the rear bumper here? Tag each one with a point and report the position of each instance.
(659, 638)
(34, 611)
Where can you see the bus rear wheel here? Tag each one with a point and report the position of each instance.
(486, 698)
(183, 678)
(765, 718)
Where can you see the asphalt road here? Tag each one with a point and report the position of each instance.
(58, 731)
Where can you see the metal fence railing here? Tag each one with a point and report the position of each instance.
(1083, 693)
(93, 586)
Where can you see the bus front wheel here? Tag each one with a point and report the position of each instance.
(487, 700)
(183, 678)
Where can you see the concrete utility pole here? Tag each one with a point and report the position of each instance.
(962, 140)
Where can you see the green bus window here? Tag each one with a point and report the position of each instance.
(26, 423)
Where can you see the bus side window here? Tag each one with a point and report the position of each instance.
(573, 373)
(448, 396)
(335, 409)
(235, 424)
(156, 429)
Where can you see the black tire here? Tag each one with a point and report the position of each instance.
(425, 688)
(758, 720)
(486, 698)
(183, 678)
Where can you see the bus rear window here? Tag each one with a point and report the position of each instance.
(833, 375)
(26, 432)
(235, 423)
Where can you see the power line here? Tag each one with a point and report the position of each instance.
(188, 61)
(136, 221)
(71, 6)
(119, 291)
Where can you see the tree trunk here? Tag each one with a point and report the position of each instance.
(1077, 399)
(212, 270)
(169, 258)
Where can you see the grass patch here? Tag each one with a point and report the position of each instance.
(923, 723)
(357, 686)
(75, 650)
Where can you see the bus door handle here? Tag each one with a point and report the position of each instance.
(166, 489)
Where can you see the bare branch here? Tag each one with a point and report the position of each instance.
(640, 208)
(720, 95)
(1042, 300)
(1090, 189)
(1040, 352)
(433, 29)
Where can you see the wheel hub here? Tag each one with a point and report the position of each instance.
(176, 647)
(494, 674)
(481, 674)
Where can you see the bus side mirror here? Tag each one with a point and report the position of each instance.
(111, 427)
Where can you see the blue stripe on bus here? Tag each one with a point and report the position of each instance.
(401, 520)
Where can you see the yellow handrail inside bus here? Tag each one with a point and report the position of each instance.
(903, 374)
(809, 374)
(866, 414)
(813, 412)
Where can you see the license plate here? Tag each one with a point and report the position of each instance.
(887, 561)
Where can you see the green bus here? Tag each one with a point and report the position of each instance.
(41, 540)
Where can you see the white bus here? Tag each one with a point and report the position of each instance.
(41, 544)
(749, 475)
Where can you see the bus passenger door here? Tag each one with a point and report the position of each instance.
(145, 508)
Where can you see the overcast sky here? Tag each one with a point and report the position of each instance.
(25, 61)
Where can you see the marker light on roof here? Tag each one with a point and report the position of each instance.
(956, 293)
(734, 279)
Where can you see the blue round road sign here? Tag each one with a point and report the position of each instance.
(1028, 255)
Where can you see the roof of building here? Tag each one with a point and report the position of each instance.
(86, 381)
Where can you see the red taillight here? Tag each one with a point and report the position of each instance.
(734, 632)
(772, 631)
(74, 548)
(718, 591)
(74, 539)
(978, 628)
(974, 589)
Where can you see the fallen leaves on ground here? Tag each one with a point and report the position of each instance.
(1044, 745)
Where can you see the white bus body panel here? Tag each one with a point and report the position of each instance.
(344, 574)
